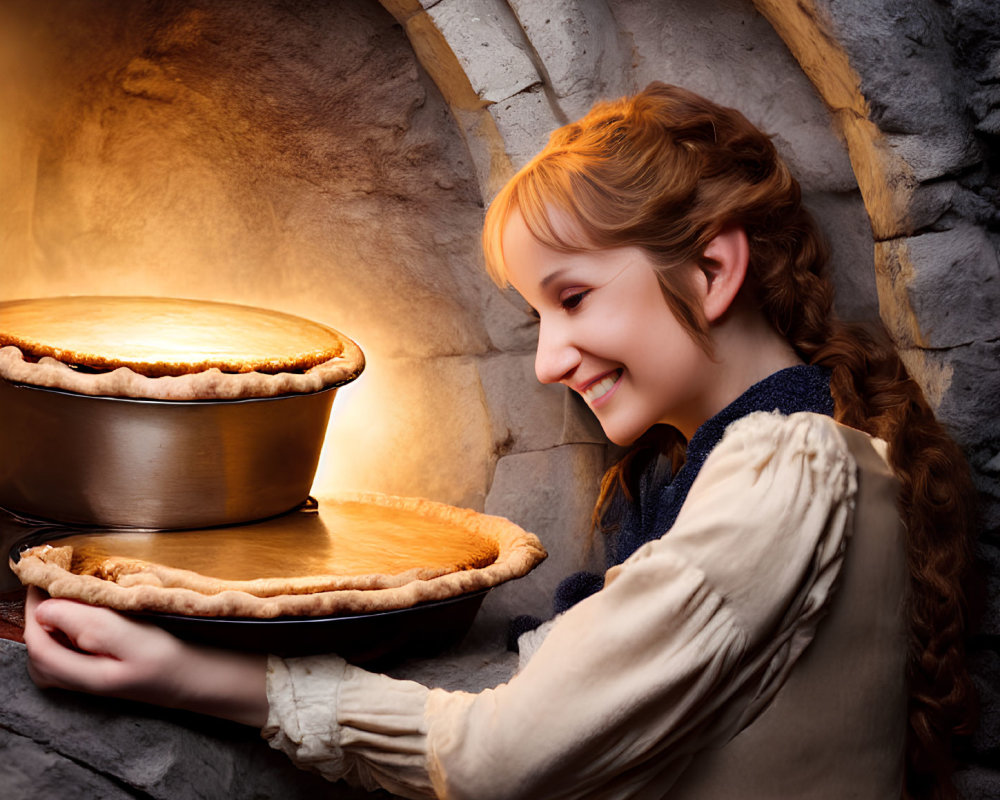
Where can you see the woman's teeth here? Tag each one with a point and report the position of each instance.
(602, 387)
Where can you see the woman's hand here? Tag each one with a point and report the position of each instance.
(85, 648)
(95, 650)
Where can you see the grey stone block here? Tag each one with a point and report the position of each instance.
(845, 224)
(580, 48)
(931, 155)
(964, 384)
(990, 122)
(525, 121)
(985, 100)
(988, 556)
(985, 668)
(531, 490)
(928, 204)
(955, 286)
(489, 44)
(508, 323)
(580, 426)
(978, 783)
(900, 50)
(527, 415)
(967, 400)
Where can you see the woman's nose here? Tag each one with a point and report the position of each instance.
(556, 357)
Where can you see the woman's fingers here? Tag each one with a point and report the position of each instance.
(88, 628)
(91, 649)
(63, 651)
(53, 659)
(41, 639)
(88, 648)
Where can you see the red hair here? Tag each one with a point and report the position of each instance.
(667, 171)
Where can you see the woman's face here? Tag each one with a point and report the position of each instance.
(606, 331)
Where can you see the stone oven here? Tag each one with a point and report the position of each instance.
(333, 160)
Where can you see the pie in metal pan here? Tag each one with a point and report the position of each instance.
(359, 553)
(169, 348)
(164, 412)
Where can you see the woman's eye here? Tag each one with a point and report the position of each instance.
(571, 301)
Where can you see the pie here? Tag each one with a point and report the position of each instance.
(358, 553)
(169, 348)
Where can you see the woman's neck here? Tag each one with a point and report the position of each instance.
(746, 350)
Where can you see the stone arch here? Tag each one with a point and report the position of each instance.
(512, 70)
(918, 124)
(511, 77)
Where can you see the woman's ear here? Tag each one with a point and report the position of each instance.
(727, 256)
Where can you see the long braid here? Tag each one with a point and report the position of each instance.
(873, 392)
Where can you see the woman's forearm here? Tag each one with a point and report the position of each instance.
(226, 684)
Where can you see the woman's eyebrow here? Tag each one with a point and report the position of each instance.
(551, 277)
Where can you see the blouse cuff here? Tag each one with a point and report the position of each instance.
(302, 709)
(349, 724)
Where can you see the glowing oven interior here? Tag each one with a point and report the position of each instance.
(299, 157)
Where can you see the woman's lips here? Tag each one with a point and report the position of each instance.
(600, 388)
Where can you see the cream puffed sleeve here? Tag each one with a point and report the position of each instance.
(687, 642)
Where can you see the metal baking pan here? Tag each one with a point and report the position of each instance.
(374, 640)
(77, 459)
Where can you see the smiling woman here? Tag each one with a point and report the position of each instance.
(790, 513)
(673, 175)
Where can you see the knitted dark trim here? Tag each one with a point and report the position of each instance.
(794, 389)
(802, 388)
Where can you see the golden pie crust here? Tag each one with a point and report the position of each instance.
(169, 348)
(368, 552)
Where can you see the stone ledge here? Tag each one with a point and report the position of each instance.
(126, 750)
(61, 744)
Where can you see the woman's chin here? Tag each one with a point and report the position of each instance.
(623, 437)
